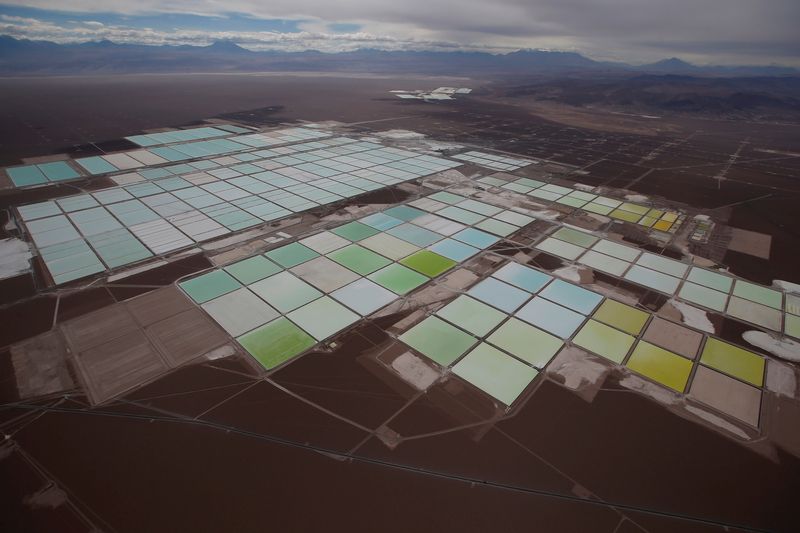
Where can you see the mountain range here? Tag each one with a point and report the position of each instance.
(25, 57)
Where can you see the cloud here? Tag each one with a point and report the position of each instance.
(36, 29)
(634, 30)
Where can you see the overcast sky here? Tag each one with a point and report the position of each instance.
(636, 31)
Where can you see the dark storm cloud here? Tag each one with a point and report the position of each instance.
(634, 30)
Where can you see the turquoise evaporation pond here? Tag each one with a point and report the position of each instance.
(404, 212)
(71, 260)
(169, 154)
(523, 277)
(550, 317)
(414, 234)
(154, 173)
(41, 210)
(451, 249)
(140, 190)
(651, 278)
(381, 221)
(476, 238)
(133, 212)
(58, 171)
(499, 294)
(76, 203)
(96, 165)
(118, 247)
(27, 175)
(571, 296)
(41, 173)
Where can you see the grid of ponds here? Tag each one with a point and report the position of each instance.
(498, 335)
(167, 208)
(281, 303)
(716, 291)
(657, 219)
(481, 215)
(209, 145)
(493, 161)
(507, 327)
(185, 151)
(176, 136)
(28, 175)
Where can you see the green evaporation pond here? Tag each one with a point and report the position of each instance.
(291, 254)
(571, 201)
(560, 248)
(209, 286)
(355, 231)
(733, 360)
(704, 296)
(398, 279)
(428, 263)
(438, 340)
(323, 317)
(359, 259)
(621, 316)
(627, 216)
(253, 269)
(495, 373)
(497, 227)
(758, 294)
(276, 342)
(597, 208)
(471, 315)
(662, 366)
(576, 237)
(634, 208)
(710, 279)
(526, 342)
(792, 326)
(604, 340)
(285, 292)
